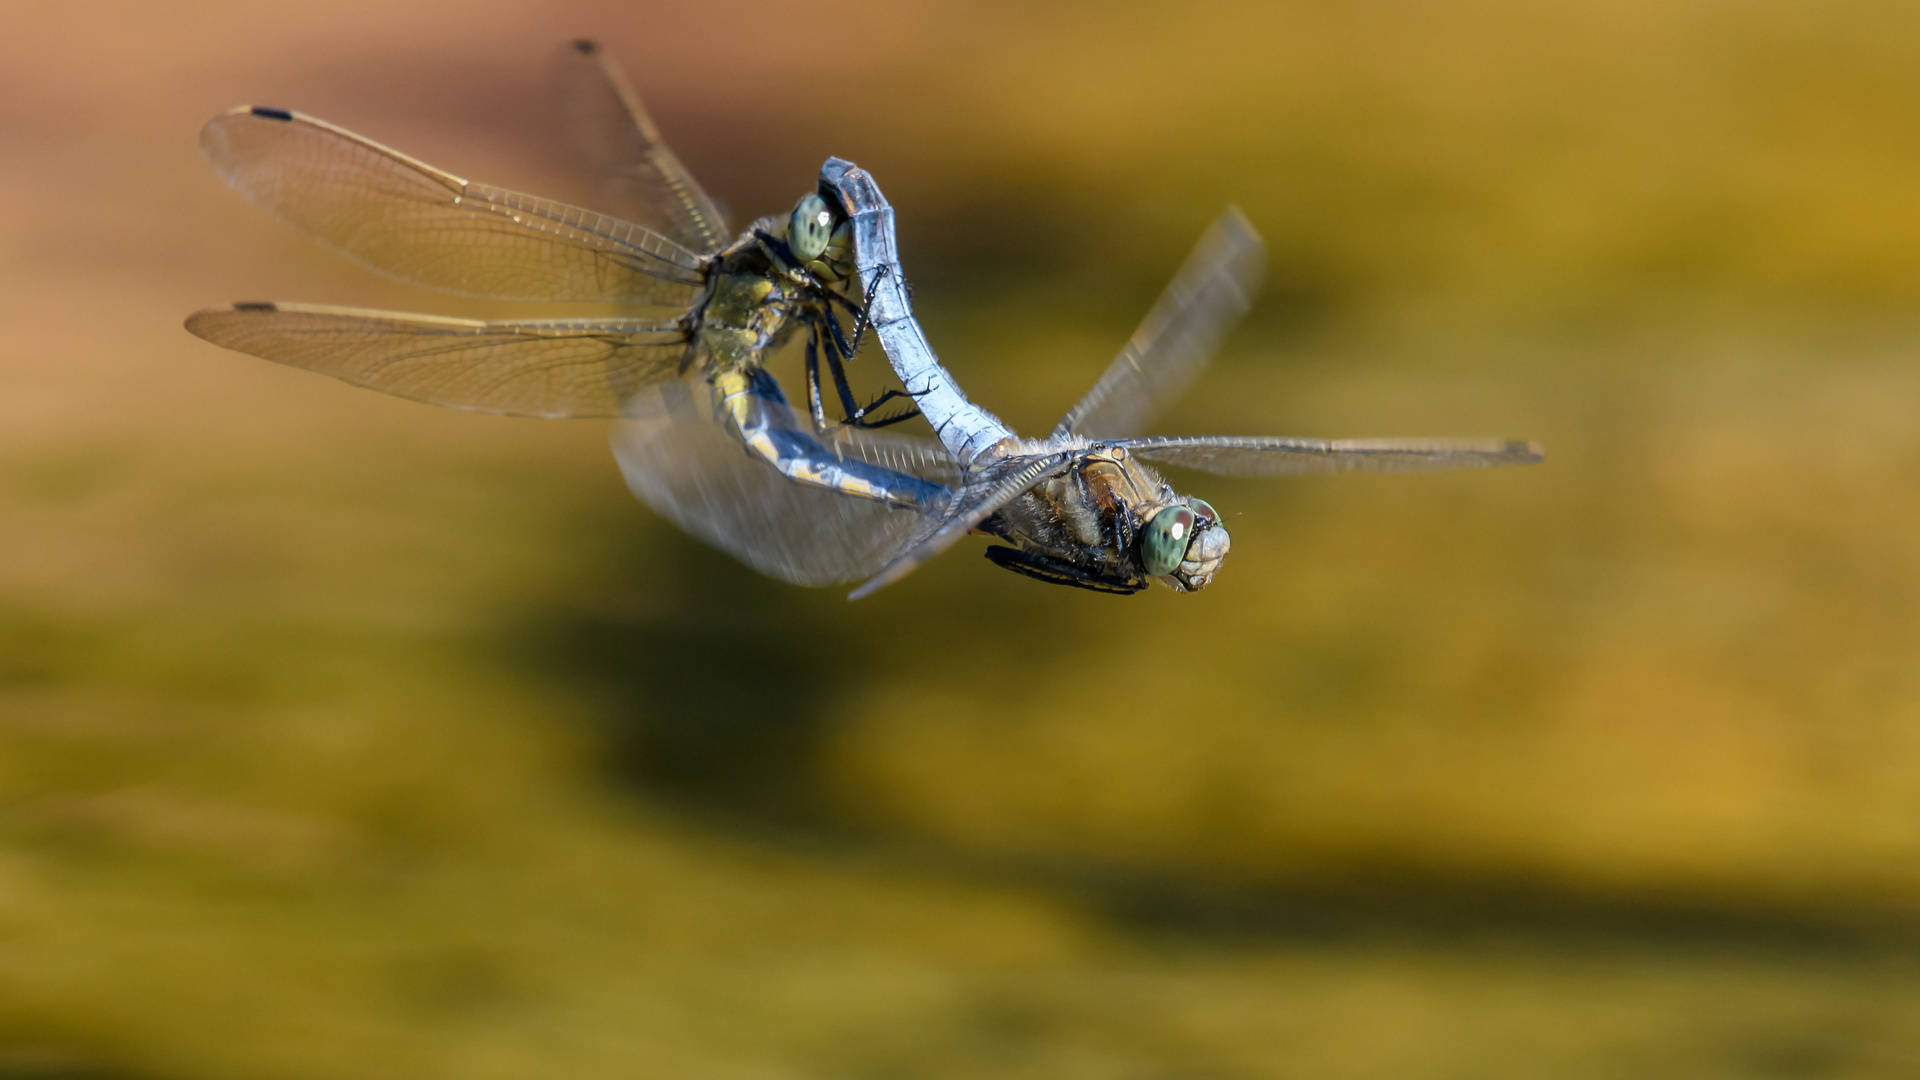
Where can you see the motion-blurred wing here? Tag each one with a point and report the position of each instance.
(908, 454)
(1256, 455)
(413, 222)
(1213, 289)
(974, 505)
(535, 367)
(680, 460)
(638, 176)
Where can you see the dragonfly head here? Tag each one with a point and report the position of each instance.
(1184, 544)
(821, 238)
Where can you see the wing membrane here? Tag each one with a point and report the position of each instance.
(416, 223)
(974, 506)
(1256, 455)
(680, 460)
(908, 454)
(639, 177)
(1213, 289)
(544, 367)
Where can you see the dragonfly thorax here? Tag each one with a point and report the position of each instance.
(1113, 520)
(781, 271)
(1092, 523)
(745, 315)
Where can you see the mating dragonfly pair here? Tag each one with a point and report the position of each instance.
(704, 433)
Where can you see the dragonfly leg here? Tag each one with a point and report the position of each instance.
(836, 346)
(861, 323)
(861, 420)
(1060, 572)
(813, 380)
(856, 415)
(834, 343)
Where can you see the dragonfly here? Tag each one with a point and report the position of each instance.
(1084, 506)
(701, 372)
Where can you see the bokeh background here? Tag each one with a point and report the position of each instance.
(345, 737)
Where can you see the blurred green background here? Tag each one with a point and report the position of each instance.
(345, 737)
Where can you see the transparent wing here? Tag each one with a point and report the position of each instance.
(680, 460)
(411, 221)
(1257, 455)
(974, 505)
(639, 177)
(1213, 289)
(914, 456)
(544, 367)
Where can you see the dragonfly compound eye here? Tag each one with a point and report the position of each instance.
(810, 228)
(1164, 541)
(1204, 510)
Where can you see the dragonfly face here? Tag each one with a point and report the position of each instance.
(821, 238)
(1205, 548)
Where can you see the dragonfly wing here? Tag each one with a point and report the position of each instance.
(535, 367)
(914, 456)
(1256, 455)
(411, 221)
(974, 505)
(639, 177)
(680, 459)
(1213, 289)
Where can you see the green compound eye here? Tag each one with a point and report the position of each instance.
(809, 228)
(1203, 509)
(1164, 542)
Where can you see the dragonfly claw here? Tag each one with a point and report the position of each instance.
(858, 417)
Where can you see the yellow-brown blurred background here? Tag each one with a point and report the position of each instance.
(345, 737)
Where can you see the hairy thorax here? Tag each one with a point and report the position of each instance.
(746, 314)
(1090, 514)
